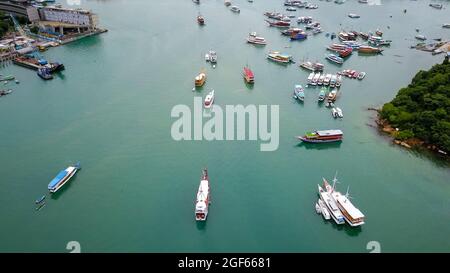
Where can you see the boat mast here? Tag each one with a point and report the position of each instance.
(335, 181)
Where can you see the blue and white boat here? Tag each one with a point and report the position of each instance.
(63, 177)
(322, 95)
(299, 92)
(335, 59)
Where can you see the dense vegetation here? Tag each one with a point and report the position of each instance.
(6, 23)
(422, 109)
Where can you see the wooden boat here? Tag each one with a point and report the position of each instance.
(369, 50)
(248, 75)
(200, 79)
(279, 24)
(332, 96)
(324, 136)
(278, 57)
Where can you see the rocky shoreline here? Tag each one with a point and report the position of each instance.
(410, 143)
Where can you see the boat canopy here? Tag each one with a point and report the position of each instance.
(354, 212)
(57, 179)
(329, 132)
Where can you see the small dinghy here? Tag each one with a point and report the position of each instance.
(40, 200)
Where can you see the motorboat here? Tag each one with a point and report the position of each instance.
(209, 99)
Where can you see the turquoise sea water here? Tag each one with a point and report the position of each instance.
(110, 109)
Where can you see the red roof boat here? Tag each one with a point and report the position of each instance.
(248, 75)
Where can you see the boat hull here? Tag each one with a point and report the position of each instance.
(307, 140)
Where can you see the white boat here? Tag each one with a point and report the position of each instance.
(209, 99)
(211, 56)
(334, 113)
(353, 15)
(339, 112)
(203, 199)
(318, 210)
(421, 37)
(352, 215)
(254, 39)
(327, 79)
(227, 3)
(235, 9)
(338, 80)
(321, 79)
(315, 79)
(331, 206)
(324, 211)
(310, 77)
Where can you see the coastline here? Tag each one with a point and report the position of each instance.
(386, 128)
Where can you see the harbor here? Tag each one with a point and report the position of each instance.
(147, 192)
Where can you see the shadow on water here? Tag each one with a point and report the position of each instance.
(60, 75)
(198, 89)
(201, 225)
(319, 146)
(350, 231)
(86, 41)
(249, 85)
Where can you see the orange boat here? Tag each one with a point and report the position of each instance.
(248, 75)
(200, 79)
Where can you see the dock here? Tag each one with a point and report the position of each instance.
(27, 63)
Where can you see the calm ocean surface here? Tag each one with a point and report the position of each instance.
(110, 109)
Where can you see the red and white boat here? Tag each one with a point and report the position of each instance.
(280, 24)
(209, 99)
(203, 200)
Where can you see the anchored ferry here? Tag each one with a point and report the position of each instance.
(63, 177)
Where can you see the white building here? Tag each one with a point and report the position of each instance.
(78, 17)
